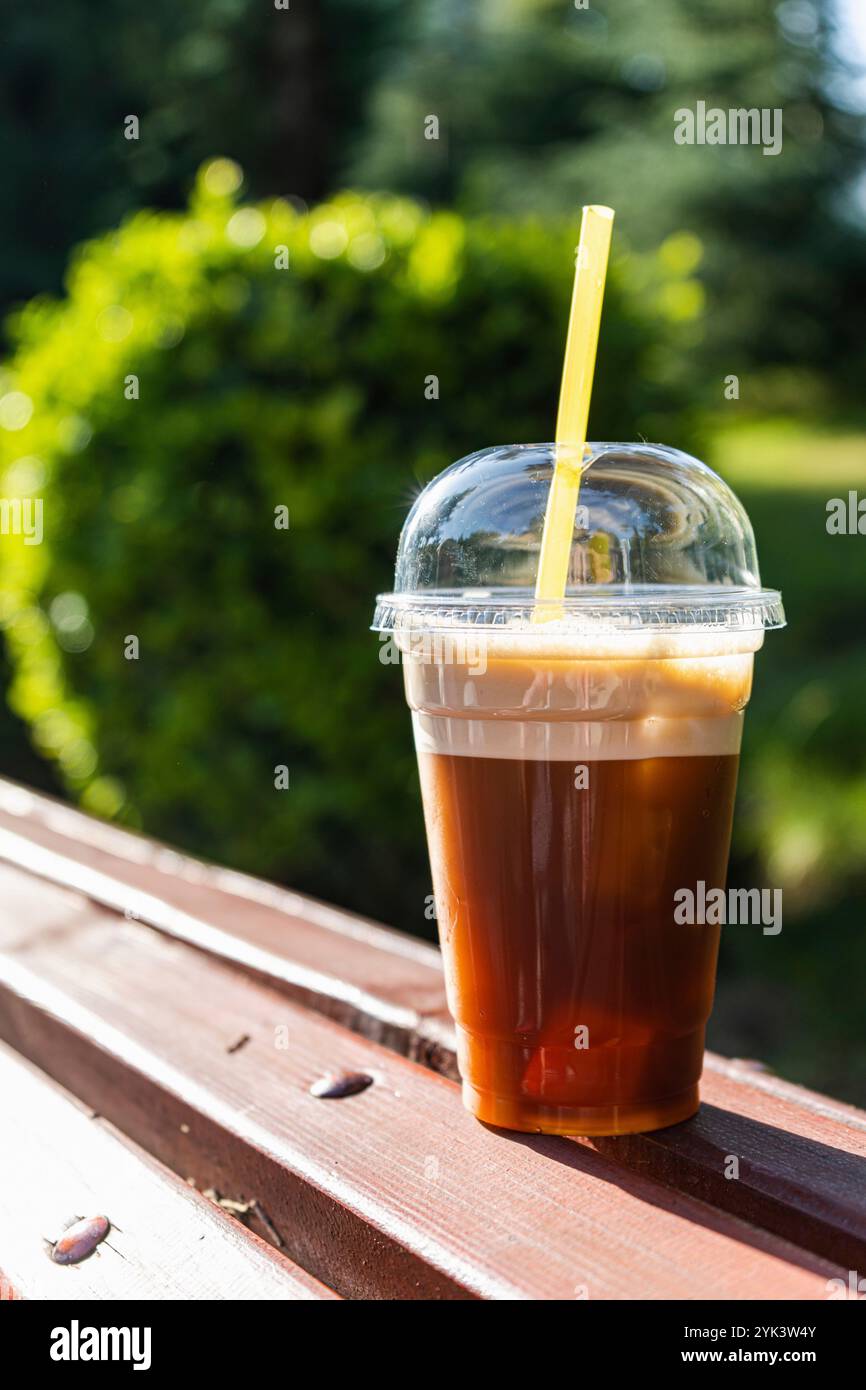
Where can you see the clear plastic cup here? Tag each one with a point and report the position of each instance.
(578, 765)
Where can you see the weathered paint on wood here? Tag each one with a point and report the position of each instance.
(801, 1157)
(394, 1192)
(59, 1163)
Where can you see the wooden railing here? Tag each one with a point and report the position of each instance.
(164, 1023)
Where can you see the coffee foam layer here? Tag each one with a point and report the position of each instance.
(600, 690)
(578, 741)
(518, 703)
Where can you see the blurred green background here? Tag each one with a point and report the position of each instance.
(203, 325)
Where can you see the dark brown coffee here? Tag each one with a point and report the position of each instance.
(570, 792)
(580, 1003)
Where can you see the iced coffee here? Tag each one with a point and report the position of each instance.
(578, 769)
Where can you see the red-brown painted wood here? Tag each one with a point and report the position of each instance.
(802, 1157)
(378, 982)
(393, 1192)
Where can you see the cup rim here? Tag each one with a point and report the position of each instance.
(613, 607)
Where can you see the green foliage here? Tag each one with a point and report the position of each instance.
(804, 810)
(279, 90)
(545, 106)
(801, 814)
(259, 388)
(542, 106)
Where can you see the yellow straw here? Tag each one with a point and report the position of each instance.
(575, 391)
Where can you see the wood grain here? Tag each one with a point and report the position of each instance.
(802, 1157)
(167, 1241)
(376, 981)
(394, 1192)
(800, 1165)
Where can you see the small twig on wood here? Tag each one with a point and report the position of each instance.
(243, 1210)
(267, 1223)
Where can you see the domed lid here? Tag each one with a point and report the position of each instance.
(660, 542)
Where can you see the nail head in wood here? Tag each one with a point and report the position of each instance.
(338, 1085)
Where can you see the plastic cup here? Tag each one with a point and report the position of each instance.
(578, 773)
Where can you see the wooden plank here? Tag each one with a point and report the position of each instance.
(767, 1155)
(800, 1155)
(395, 1192)
(387, 985)
(166, 1242)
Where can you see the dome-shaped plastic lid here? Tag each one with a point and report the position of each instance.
(660, 542)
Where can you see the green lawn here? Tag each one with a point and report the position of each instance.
(783, 454)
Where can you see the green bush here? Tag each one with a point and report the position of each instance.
(262, 387)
